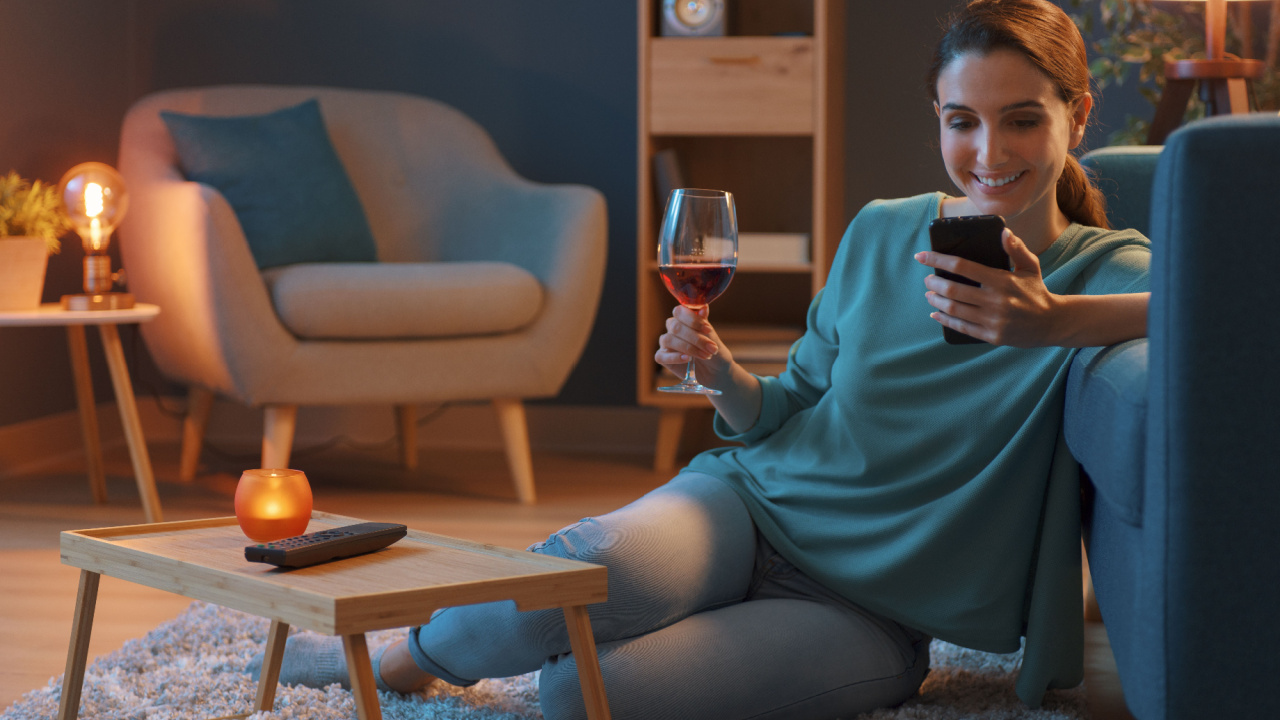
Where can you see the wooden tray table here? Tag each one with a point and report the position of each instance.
(398, 586)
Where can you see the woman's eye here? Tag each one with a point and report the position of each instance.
(959, 124)
(1026, 122)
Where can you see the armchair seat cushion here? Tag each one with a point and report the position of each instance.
(1105, 423)
(398, 301)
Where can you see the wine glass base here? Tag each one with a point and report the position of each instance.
(689, 390)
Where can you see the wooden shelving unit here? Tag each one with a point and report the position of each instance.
(758, 112)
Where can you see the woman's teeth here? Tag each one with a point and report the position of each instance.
(997, 182)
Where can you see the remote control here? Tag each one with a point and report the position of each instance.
(325, 545)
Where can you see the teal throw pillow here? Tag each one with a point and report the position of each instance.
(284, 180)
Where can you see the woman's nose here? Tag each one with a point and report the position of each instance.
(991, 151)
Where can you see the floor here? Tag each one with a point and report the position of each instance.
(461, 493)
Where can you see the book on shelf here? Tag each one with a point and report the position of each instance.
(766, 346)
(763, 368)
(773, 249)
(744, 332)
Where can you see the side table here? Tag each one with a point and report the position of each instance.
(52, 314)
(397, 586)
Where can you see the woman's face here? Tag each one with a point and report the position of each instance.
(1006, 134)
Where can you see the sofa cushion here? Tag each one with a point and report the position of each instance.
(284, 180)
(364, 301)
(1106, 422)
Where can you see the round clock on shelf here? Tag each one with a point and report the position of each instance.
(698, 18)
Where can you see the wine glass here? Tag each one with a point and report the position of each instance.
(697, 254)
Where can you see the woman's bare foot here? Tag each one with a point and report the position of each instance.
(400, 672)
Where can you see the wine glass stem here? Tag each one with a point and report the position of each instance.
(688, 375)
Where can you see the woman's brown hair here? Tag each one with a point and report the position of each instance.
(1042, 33)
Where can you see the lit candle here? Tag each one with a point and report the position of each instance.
(273, 504)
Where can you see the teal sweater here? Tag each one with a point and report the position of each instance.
(929, 482)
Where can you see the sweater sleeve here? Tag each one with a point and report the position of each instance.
(808, 374)
(807, 377)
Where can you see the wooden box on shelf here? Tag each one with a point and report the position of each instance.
(758, 112)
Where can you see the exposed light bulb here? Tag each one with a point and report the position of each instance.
(95, 198)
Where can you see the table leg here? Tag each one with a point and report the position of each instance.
(88, 411)
(78, 651)
(272, 658)
(583, 643)
(132, 425)
(360, 669)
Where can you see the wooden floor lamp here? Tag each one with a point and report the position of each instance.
(1224, 81)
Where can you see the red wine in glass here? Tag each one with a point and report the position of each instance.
(696, 284)
(697, 255)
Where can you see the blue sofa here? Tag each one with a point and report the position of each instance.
(1179, 434)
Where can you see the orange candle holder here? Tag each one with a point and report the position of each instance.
(272, 504)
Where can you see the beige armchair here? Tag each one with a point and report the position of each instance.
(485, 288)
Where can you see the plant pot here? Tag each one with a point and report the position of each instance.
(22, 264)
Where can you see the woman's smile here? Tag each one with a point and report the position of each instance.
(993, 184)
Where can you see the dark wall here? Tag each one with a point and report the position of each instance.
(554, 83)
(64, 89)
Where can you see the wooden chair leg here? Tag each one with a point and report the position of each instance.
(199, 405)
(1091, 611)
(78, 650)
(515, 436)
(407, 423)
(88, 412)
(279, 422)
(360, 670)
(272, 659)
(667, 447)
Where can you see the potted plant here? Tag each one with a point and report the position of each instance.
(32, 220)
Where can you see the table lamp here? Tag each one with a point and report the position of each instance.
(1224, 80)
(96, 200)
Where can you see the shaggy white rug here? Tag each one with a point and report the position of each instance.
(193, 667)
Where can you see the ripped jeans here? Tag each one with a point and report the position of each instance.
(705, 620)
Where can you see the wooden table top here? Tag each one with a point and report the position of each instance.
(398, 586)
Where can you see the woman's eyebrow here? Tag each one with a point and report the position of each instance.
(1014, 106)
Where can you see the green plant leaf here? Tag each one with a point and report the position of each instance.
(32, 209)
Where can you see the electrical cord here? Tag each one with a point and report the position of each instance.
(330, 443)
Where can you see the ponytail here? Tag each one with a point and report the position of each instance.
(1080, 200)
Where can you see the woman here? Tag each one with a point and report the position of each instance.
(891, 487)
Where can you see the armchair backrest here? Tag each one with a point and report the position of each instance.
(407, 156)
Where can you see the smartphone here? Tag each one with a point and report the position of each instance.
(972, 237)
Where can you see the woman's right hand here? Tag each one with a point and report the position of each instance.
(689, 335)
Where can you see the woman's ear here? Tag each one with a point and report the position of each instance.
(1079, 118)
(937, 110)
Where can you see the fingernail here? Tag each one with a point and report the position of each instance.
(919, 257)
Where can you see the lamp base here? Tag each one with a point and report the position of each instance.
(98, 301)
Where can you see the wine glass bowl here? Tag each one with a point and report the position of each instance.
(697, 256)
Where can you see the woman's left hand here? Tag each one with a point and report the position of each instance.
(1010, 308)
